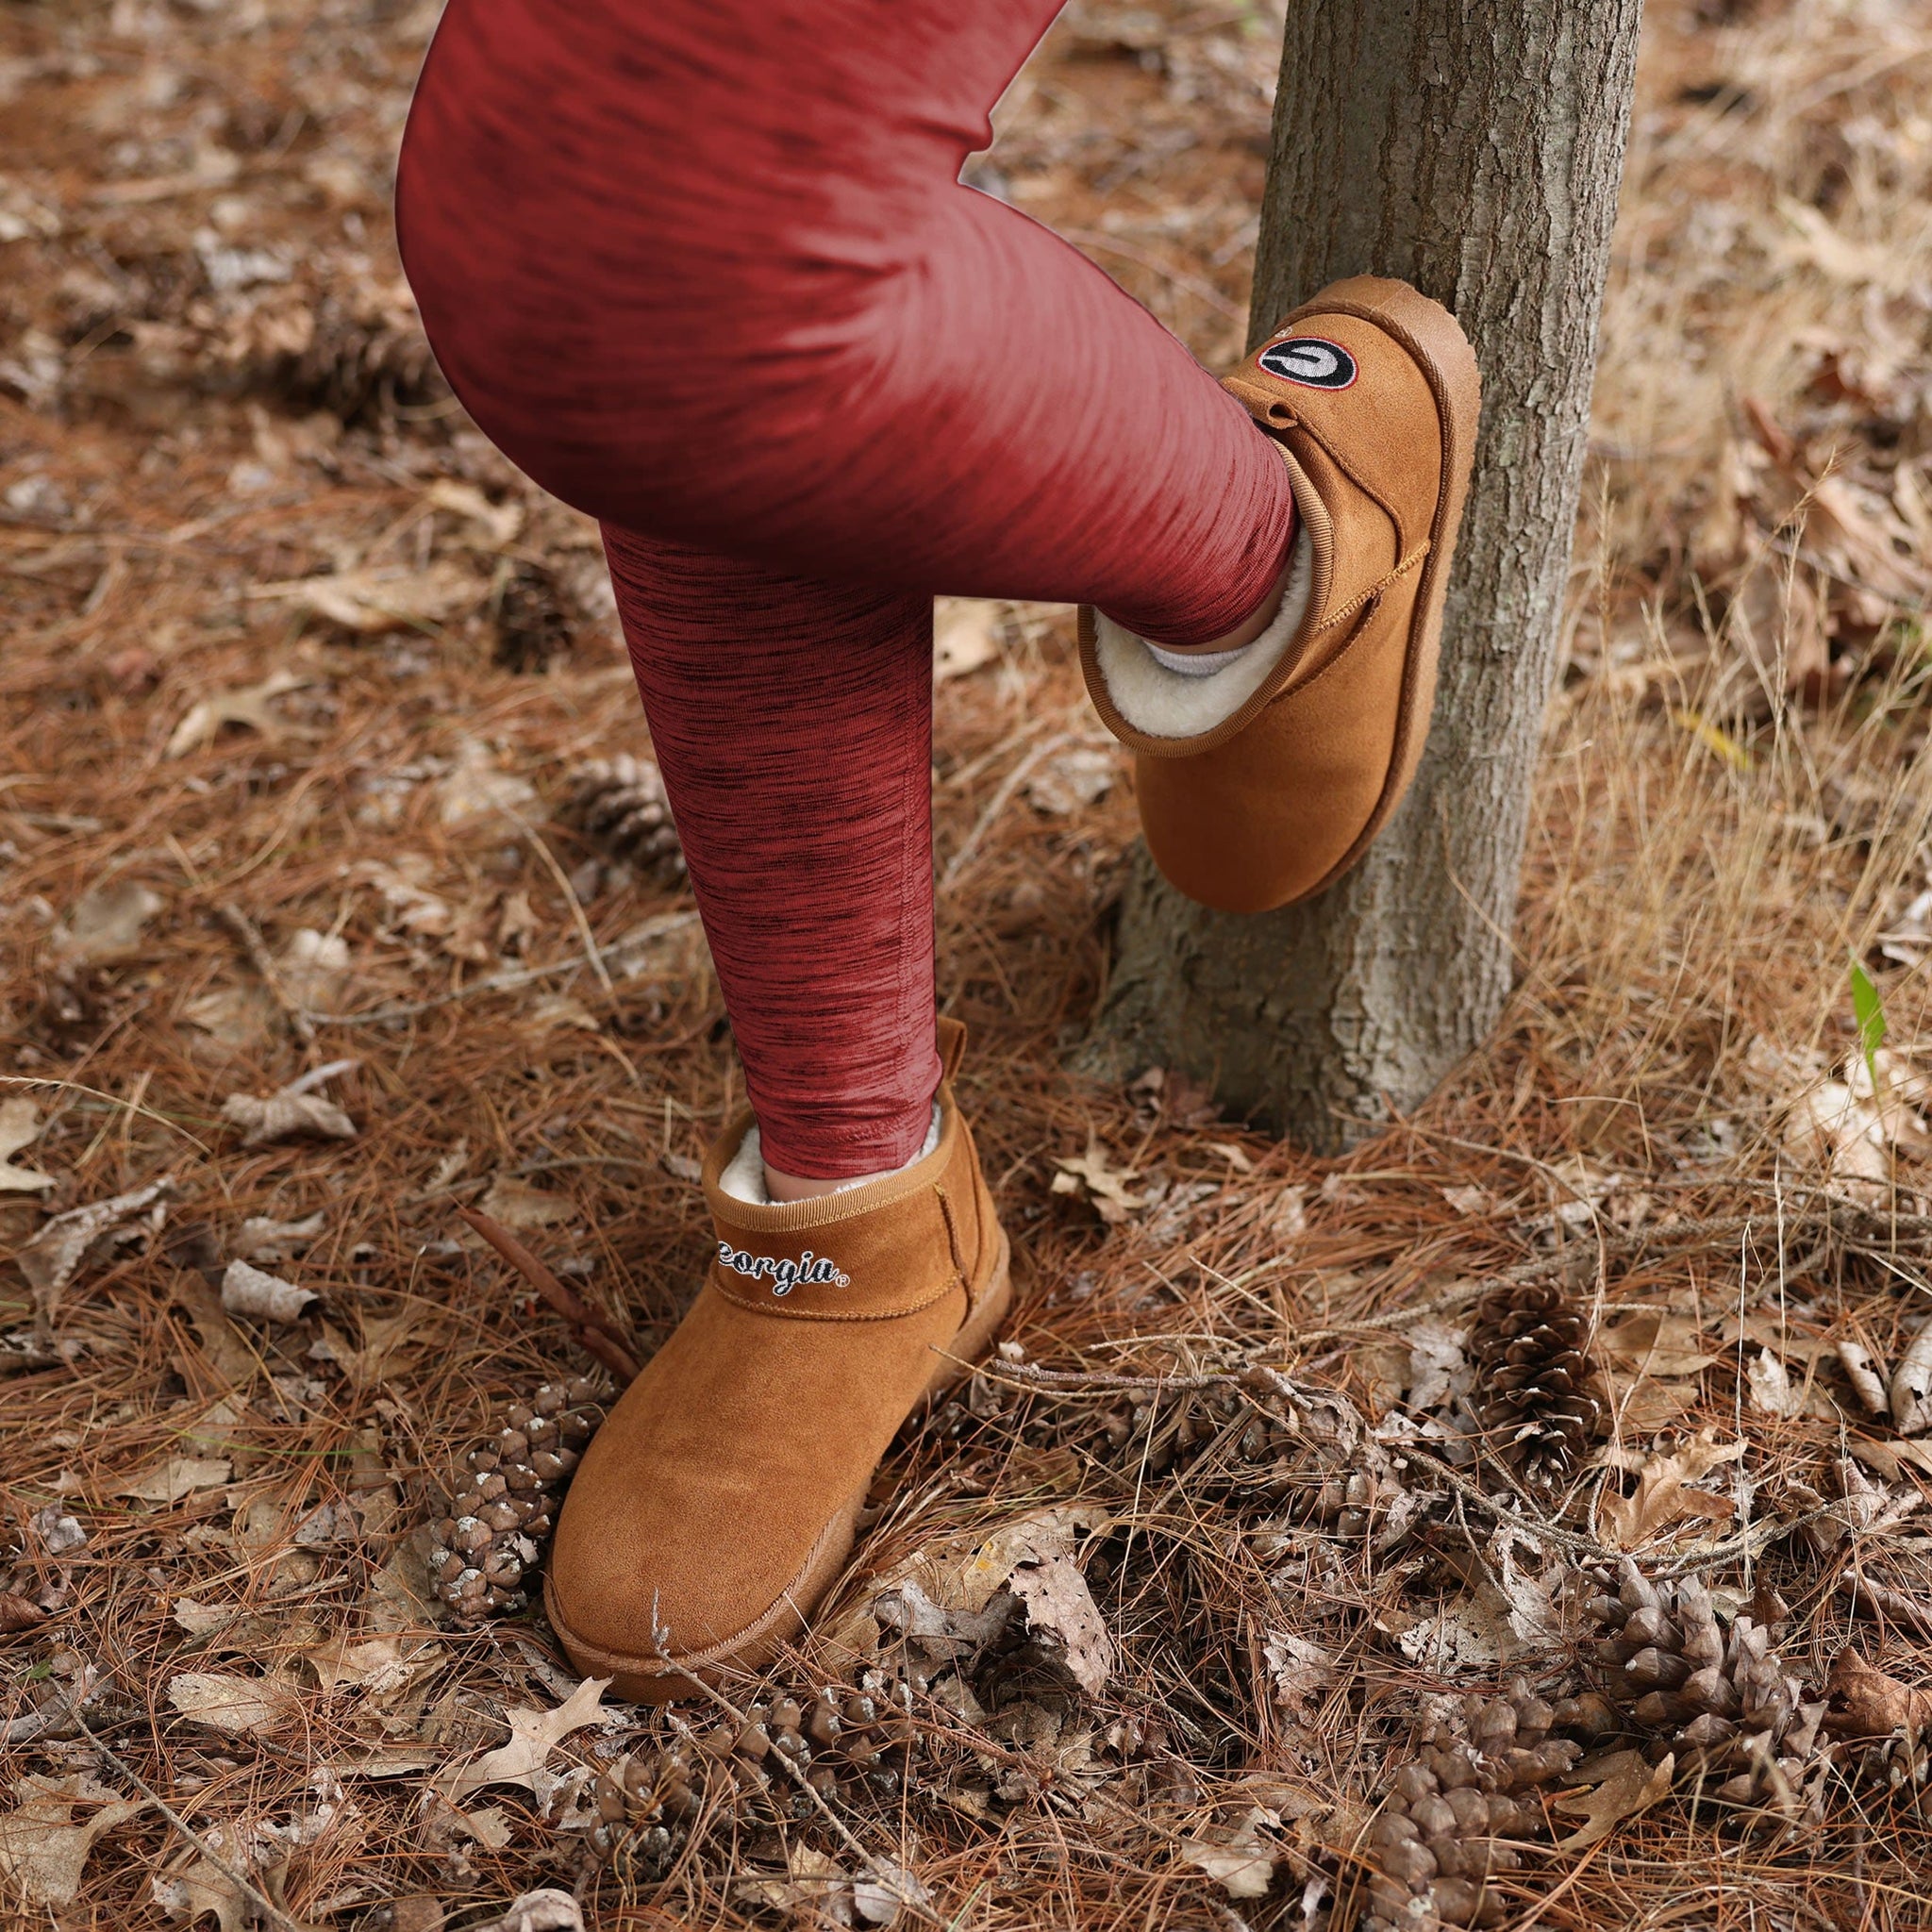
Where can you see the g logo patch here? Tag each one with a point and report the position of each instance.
(1314, 362)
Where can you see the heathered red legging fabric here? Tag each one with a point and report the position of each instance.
(704, 268)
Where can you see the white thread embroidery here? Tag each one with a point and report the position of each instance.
(807, 1269)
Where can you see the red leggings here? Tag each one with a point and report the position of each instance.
(704, 270)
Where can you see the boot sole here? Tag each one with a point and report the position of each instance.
(661, 1681)
(1435, 338)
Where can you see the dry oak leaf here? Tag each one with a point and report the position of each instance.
(1911, 1387)
(1105, 1186)
(379, 1666)
(202, 1889)
(1772, 1391)
(533, 1735)
(1241, 1862)
(1301, 1672)
(1081, 776)
(1865, 1703)
(225, 1701)
(42, 1851)
(292, 1112)
(387, 597)
(106, 923)
(1059, 1608)
(17, 1613)
(517, 1204)
(474, 789)
(502, 521)
(247, 704)
(180, 1476)
(263, 1239)
(1657, 1344)
(412, 907)
(247, 1291)
(1664, 1495)
(20, 1124)
(50, 1259)
(545, 1910)
(815, 1888)
(1629, 1784)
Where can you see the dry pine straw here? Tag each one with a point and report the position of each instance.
(1706, 856)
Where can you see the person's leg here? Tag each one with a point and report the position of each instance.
(704, 268)
(804, 804)
(712, 277)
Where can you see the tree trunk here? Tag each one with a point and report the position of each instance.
(1473, 147)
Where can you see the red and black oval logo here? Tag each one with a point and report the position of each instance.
(1314, 362)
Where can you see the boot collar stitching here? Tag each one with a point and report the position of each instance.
(1374, 590)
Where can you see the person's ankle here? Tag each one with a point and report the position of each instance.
(782, 1186)
(1250, 628)
(797, 1187)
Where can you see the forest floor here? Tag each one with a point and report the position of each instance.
(1202, 1602)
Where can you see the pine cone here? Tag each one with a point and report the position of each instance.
(1739, 1727)
(845, 1741)
(1447, 1825)
(1312, 1453)
(1537, 1390)
(534, 623)
(488, 1543)
(621, 803)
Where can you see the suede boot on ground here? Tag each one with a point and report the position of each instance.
(716, 1505)
(1263, 781)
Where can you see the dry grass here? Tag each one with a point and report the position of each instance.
(1734, 806)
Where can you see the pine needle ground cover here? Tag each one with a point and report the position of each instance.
(1520, 1521)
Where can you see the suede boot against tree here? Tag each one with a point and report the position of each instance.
(717, 1504)
(1264, 772)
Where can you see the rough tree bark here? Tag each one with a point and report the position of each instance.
(1473, 147)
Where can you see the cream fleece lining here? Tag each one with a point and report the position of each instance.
(1177, 704)
(744, 1177)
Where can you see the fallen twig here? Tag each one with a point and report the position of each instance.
(590, 1331)
(1889, 1606)
(272, 1913)
(249, 934)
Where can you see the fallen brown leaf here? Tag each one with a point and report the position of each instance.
(107, 923)
(1865, 1703)
(517, 1204)
(1630, 1785)
(1664, 1495)
(247, 706)
(19, 1126)
(180, 1476)
(1239, 1859)
(200, 1889)
(42, 1851)
(384, 597)
(1105, 1186)
(51, 1258)
(17, 1613)
(247, 1291)
(533, 1735)
(965, 635)
(242, 1707)
(294, 1112)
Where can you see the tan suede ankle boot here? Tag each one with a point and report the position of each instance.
(716, 1505)
(1264, 781)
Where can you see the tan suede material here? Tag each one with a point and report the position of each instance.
(1283, 795)
(716, 1504)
